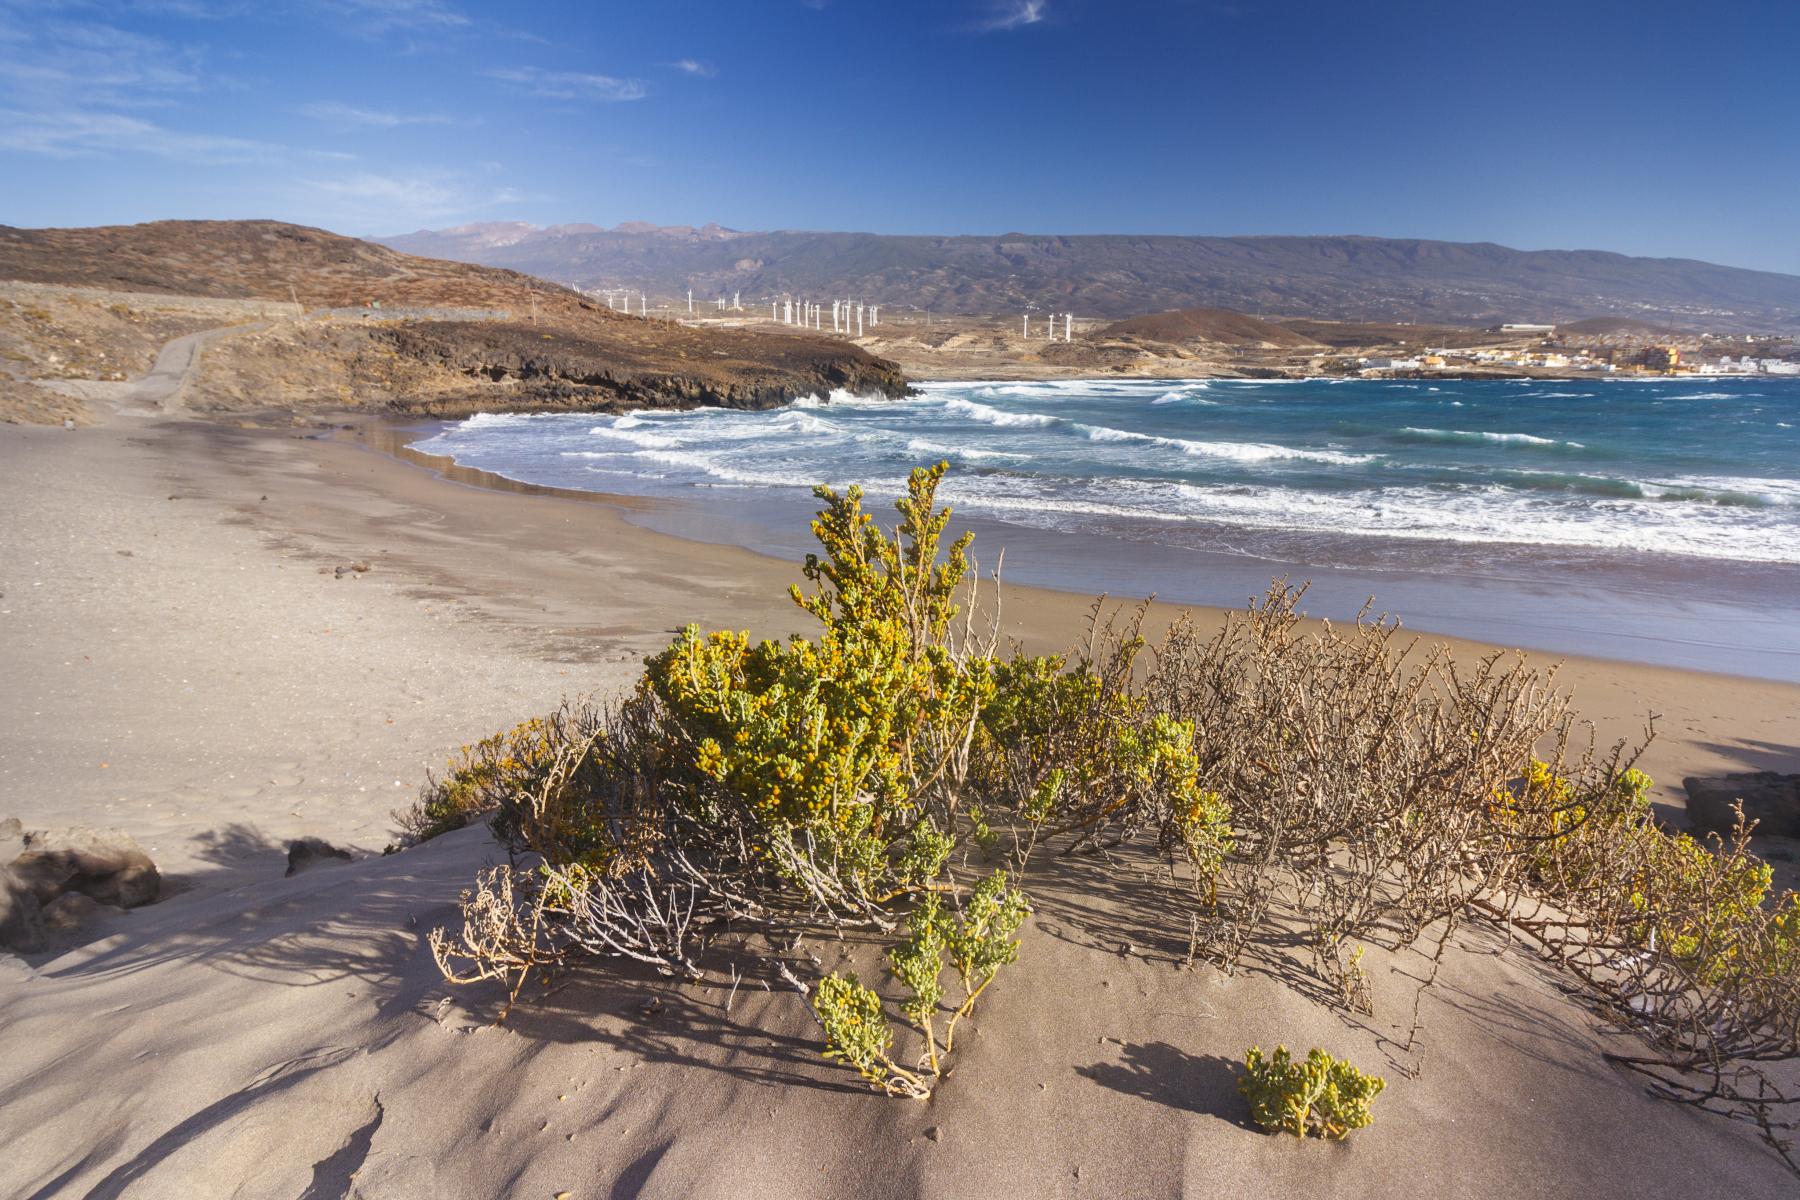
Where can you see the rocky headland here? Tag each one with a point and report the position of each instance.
(291, 318)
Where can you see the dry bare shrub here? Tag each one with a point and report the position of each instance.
(1362, 772)
(1681, 944)
(503, 936)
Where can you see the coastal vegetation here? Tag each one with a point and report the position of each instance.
(1321, 1095)
(1309, 791)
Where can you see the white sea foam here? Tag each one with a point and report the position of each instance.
(1186, 395)
(843, 398)
(1238, 451)
(1483, 435)
(1267, 452)
(635, 435)
(992, 416)
(922, 446)
(710, 466)
(1484, 515)
(1104, 433)
(483, 420)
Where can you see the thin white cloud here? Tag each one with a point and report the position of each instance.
(369, 201)
(81, 133)
(387, 16)
(96, 64)
(338, 113)
(694, 66)
(1013, 14)
(570, 85)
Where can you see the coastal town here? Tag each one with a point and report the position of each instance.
(1554, 349)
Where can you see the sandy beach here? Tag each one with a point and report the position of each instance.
(185, 663)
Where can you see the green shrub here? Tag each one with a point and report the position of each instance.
(1323, 1095)
(1070, 750)
(977, 942)
(857, 1034)
(841, 753)
(483, 776)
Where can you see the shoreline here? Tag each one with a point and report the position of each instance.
(1630, 608)
(572, 590)
(1709, 722)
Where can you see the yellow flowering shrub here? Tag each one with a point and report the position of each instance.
(1075, 752)
(837, 747)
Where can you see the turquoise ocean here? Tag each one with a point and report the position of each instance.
(1656, 520)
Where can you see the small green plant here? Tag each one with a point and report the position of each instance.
(918, 962)
(978, 941)
(857, 1033)
(982, 942)
(1325, 1096)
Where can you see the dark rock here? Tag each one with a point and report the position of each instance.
(622, 365)
(71, 910)
(311, 851)
(1771, 800)
(105, 864)
(21, 917)
(46, 874)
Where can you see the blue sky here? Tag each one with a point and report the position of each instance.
(1649, 127)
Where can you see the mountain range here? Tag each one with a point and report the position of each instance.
(1117, 276)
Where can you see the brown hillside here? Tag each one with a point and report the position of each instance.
(1610, 326)
(555, 349)
(1344, 335)
(1222, 325)
(266, 260)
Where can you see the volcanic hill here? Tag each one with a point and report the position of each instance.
(370, 325)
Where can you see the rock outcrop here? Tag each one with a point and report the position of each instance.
(1771, 800)
(21, 916)
(311, 852)
(105, 864)
(513, 367)
(71, 910)
(54, 881)
(421, 337)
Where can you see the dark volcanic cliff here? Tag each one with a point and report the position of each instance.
(655, 364)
